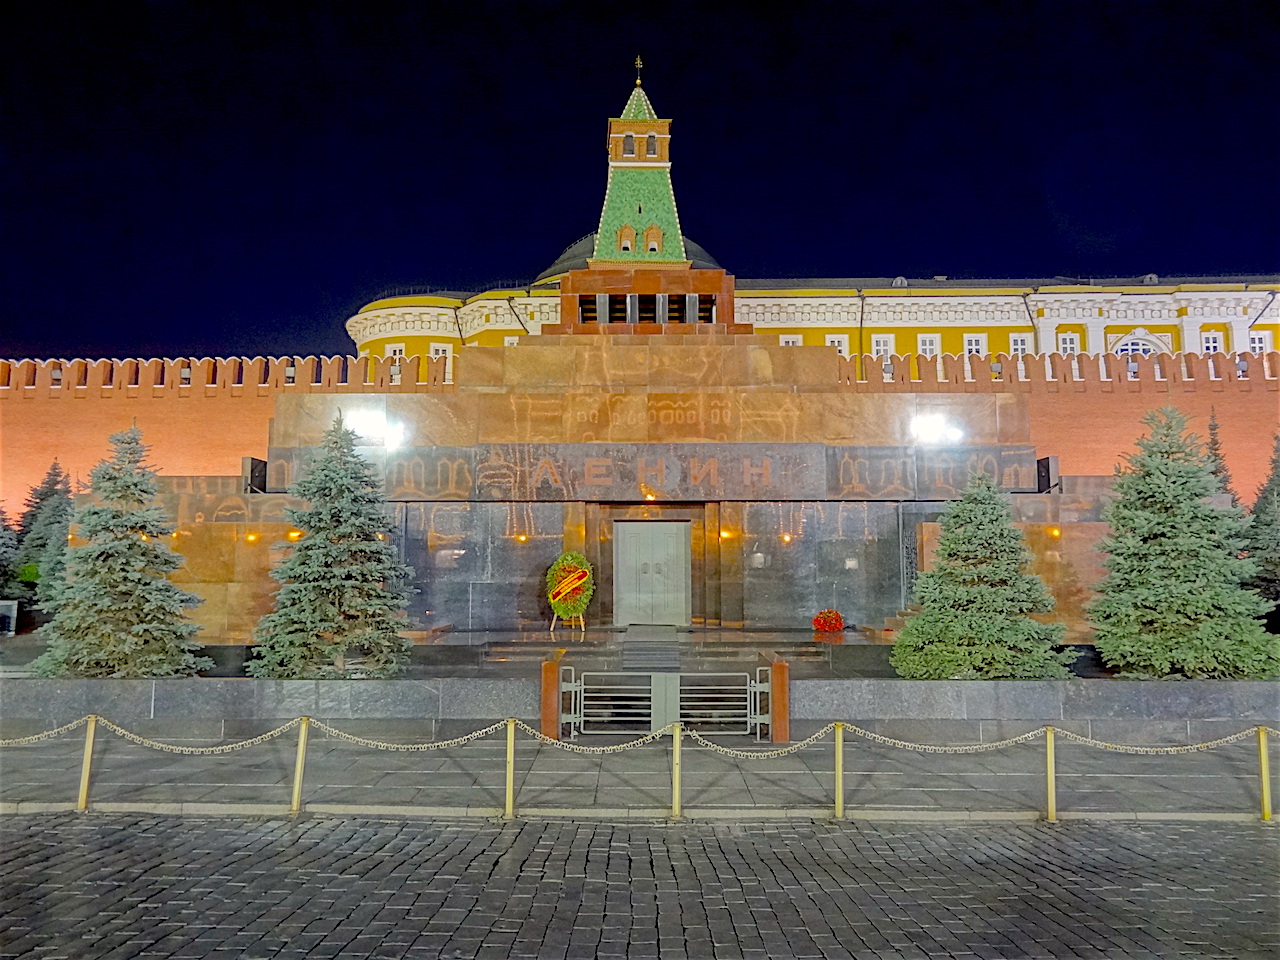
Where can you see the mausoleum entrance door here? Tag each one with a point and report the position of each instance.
(651, 572)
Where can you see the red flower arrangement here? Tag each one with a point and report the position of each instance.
(828, 621)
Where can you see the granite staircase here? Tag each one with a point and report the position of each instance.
(887, 631)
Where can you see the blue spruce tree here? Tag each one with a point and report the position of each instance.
(115, 611)
(974, 621)
(11, 588)
(338, 611)
(1172, 603)
(1264, 539)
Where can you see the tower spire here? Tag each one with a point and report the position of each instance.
(639, 222)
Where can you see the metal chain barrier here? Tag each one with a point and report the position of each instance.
(407, 747)
(47, 735)
(579, 748)
(937, 748)
(1157, 751)
(197, 751)
(676, 729)
(760, 754)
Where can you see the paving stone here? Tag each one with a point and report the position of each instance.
(130, 885)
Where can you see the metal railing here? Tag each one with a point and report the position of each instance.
(612, 702)
(677, 731)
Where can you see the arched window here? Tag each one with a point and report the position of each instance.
(651, 146)
(626, 238)
(653, 238)
(628, 146)
(1142, 342)
(1131, 346)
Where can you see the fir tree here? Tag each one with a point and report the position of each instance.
(342, 587)
(1218, 462)
(116, 613)
(11, 588)
(1172, 604)
(55, 483)
(41, 556)
(1264, 535)
(1269, 492)
(974, 622)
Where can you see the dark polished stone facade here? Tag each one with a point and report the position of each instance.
(796, 496)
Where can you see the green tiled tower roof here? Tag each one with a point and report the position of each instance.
(638, 106)
(639, 195)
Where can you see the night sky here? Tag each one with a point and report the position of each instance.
(237, 178)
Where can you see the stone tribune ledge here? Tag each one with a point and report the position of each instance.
(973, 711)
(242, 707)
(935, 711)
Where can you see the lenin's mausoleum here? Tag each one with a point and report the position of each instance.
(726, 451)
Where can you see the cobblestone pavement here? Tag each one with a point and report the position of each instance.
(102, 887)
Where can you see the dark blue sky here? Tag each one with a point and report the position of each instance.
(236, 178)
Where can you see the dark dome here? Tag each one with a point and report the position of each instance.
(575, 257)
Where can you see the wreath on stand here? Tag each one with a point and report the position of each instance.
(570, 585)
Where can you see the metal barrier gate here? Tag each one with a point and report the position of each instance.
(616, 702)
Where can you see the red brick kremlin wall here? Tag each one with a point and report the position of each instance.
(201, 416)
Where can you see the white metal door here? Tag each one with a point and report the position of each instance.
(651, 573)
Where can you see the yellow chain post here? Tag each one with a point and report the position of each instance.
(1264, 772)
(839, 770)
(509, 810)
(1050, 777)
(86, 767)
(295, 803)
(675, 772)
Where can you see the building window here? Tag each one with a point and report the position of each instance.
(791, 340)
(1259, 341)
(840, 341)
(1068, 343)
(444, 350)
(653, 238)
(1210, 343)
(1019, 345)
(628, 146)
(1133, 346)
(651, 145)
(626, 238)
(396, 352)
(511, 341)
(881, 345)
(975, 344)
(927, 345)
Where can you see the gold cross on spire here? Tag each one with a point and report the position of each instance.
(639, 64)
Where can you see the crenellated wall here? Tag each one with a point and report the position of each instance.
(201, 416)
(1087, 410)
(1070, 374)
(230, 376)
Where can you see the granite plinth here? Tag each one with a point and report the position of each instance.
(1044, 701)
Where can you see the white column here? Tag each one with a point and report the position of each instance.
(1239, 327)
(1190, 334)
(1095, 337)
(1046, 335)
